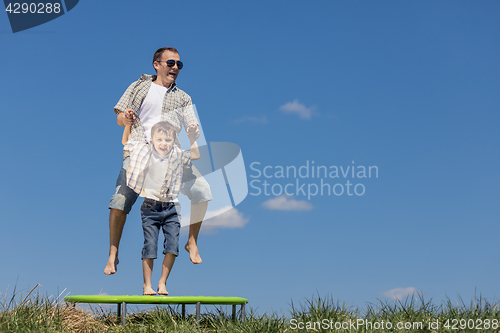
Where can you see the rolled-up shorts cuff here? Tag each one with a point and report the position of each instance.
(196, 188)
(124, 197)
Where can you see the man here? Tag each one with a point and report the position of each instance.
(153, 98)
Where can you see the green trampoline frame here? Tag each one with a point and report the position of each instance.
(123, 300)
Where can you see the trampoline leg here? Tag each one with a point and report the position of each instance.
(234, 311)
(242, 315)
(124, 313)
(198, 306)
(183, 310)
(118, 312)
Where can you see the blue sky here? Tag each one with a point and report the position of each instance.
(410, 87)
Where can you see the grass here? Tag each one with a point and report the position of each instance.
(35, 313)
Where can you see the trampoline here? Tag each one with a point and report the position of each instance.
(123, 300)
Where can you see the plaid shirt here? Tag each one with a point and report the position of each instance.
(140, 154)
(177, 107)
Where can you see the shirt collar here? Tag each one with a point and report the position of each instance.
(158, 156)
(172, 87)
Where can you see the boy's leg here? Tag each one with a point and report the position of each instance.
(147, 270)
(151, 219)
(168, 262)
(171, 230)
(120, 205)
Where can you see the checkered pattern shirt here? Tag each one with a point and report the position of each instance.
(140, 154)
(177, 107)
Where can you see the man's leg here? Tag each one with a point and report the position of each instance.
(197, 189)
(120, 205)
(117, 220)
(197, 215)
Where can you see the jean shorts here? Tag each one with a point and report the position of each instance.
(164, 215)
(194, 186)
(124, 197)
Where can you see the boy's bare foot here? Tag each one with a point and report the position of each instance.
(194, 255)
(162, 290)
(110, 268)
(147, 290)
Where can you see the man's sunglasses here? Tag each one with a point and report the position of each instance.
(171, 63)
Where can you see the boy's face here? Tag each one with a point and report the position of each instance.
(162, 143)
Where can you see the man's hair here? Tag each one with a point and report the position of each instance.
(159, 52)
(164, 127)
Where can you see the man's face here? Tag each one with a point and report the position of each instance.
(165, 73)
(162, 143)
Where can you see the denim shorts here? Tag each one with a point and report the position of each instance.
(164, 215)
(194, 186)
(124, 197)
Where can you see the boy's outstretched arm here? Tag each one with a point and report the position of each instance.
(129, 120)
(126, 134)
(195, 152)
(193, 135)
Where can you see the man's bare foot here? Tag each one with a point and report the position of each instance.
(162, 290)
(110, 268)
(194, 256)
(147, 290)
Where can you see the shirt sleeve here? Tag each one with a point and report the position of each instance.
(129, 147)
(124, 102)
(186, 157)
(187, 114)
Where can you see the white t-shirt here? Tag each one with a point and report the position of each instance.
(150, 110)
(155, 177)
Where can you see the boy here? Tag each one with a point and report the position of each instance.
(155, 172)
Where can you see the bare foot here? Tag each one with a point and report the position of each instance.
(110, 268)
(162, 290)
(194, 256)
(147, 290)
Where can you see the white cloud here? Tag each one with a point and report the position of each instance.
(225, 217)
(299, 109)
(399, 293)
(253, 120)
(285, 202)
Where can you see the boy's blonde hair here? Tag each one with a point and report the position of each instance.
(164, 127)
